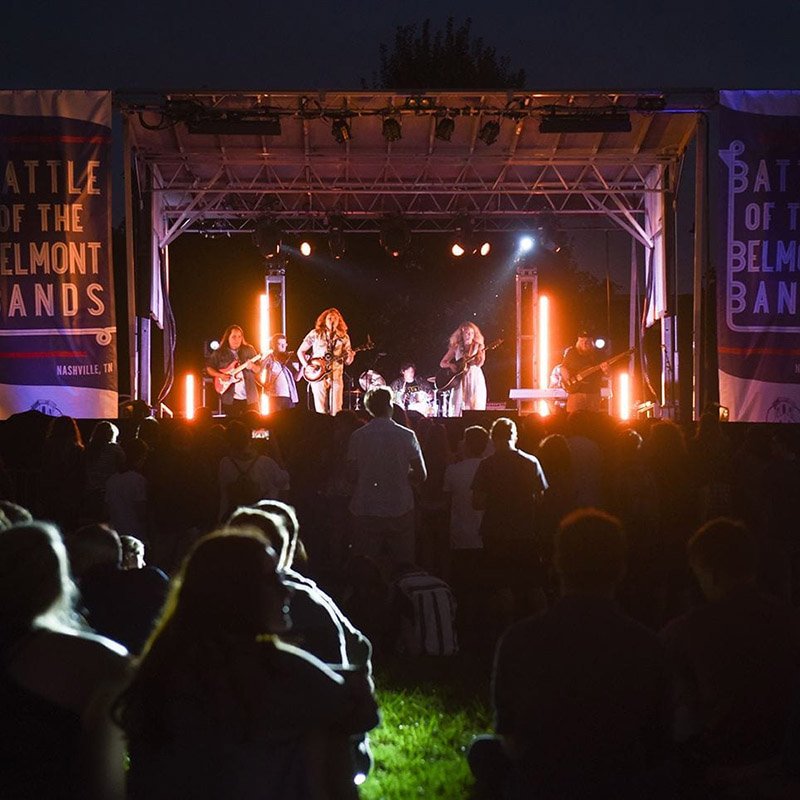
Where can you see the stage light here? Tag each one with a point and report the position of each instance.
(391, 129)
(305, 248)
(267, 237)
(624, 396)
(613, 120)
(394, 236)
(340, 130)
(489, 132)
(444, 129)
(213, 345)
(485, 248)
(418, 102)
(191, 403)
(462, 240)
(599, 342)
(526, 244)
(544, 348)
(336, 241)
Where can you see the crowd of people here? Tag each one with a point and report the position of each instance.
(208, 596)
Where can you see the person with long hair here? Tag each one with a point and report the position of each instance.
(465, 356)
(330, 343)
(228, 361)
(57, 681)
(220, 707)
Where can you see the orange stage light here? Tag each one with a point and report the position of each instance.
(190, 398)
(544, 350)
(624, 396)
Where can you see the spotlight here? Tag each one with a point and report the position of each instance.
(485, 248)
(489, 132)
(391, 129)
(526, 243)
(462, 241)
(599, 342)
(336, 243)
(444, 129)
(267, 237)
(213, 345)
(340, 130)
(418, 102)
(394, 236)
(305, 248)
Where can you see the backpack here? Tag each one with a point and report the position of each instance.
(244, 489)
(431, 629)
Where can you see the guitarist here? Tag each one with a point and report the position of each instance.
(465, 357)
(242, 394)
(330, 342)
(584, 395)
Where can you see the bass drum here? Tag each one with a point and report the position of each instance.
(369, 379)
(421, 402)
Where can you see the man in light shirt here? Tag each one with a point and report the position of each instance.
(384, 459)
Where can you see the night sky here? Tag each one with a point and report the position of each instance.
(250, 45)
(253, 45)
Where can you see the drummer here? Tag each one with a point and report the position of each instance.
(409, 386)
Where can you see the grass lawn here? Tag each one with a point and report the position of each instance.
(431, 708)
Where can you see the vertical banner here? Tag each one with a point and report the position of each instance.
(58, 336)
(758, 325)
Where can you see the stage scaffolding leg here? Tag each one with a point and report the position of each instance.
(527, 307)
(700, 223)
(133, 339)
(275, 287)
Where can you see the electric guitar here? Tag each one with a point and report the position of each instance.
(571, 384)
(446, 378)
(233, 373)
(320, 366)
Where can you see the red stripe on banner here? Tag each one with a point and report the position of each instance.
(47, 354)
(51, 139)
(759, 351)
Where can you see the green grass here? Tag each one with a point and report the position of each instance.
(430, 711)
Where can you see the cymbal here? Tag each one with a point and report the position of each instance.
(370, 379)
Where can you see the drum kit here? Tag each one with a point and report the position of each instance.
(421, 401)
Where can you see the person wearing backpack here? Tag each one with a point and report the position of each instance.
(244, 476)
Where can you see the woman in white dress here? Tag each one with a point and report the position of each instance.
(465, 357)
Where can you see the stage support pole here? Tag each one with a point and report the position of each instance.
(133, 344)
(700, 230)
(634, 322)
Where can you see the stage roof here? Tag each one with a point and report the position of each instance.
(218, 162)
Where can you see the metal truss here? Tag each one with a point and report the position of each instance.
(221, 183)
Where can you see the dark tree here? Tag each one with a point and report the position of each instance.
(449, 59)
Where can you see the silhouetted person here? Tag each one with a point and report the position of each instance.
(736, 659)
(56, 680)
(580, 693)
(507, 487)
(63, 474)
(383, 460)
(220, 708)
(119, 603)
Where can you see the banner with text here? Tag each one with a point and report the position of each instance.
(758, 322)
(58, 338)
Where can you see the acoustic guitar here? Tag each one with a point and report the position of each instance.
(233, 373)
(446, 378)
(320, 366)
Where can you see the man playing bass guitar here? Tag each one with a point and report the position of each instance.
(583, 395)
